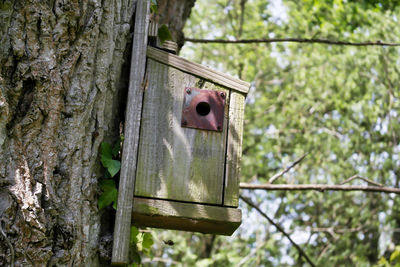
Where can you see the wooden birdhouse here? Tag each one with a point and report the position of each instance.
(182, 148)
(188, 162)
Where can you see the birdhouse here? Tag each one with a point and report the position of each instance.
(188, 162)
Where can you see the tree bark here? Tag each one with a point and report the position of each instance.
(63, 80)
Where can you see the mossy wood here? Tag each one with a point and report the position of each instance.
(187, 178)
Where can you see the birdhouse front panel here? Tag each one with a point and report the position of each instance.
(188, 163)
(176, 162)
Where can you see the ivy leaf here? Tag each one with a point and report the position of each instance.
(137, 260)
(107, 185)
(116, 149)
(395, 255)
(164, 34)
(147, 241)
(109, 195)
(105, 153)
(115, 202)
(112, 166)
(134, 234)
(107, 175)
(153, 6)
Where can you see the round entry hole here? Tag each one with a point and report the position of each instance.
(203, 108)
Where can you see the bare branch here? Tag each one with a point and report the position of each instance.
(329, 230)
(356, 176)
(336, 230)
(159, 259)
(251, 254)
(279, 174)
(280, 229)
(319, 187)
(295, 40)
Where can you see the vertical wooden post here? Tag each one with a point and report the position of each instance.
(122, 227)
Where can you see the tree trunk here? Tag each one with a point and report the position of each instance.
(63, 80)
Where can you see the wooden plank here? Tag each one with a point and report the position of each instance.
(234, 149)
(122, 227)
(198, 70)
(186, 216)
(175, 162)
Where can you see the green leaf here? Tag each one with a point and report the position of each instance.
(107, 185)
(116, 149)
(112, 166)
(147, 241)
(137, 260)
(105, 153)
(395, 255)
(109, 195)
(153, 6)
(164, 34)
(107, 175)
(115, 202)
(134, 234)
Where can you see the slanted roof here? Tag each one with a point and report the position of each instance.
(198, 70)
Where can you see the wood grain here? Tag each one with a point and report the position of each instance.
(175, 162)
(186, 216)
(234, 149)
(132, 127)
(198, 70)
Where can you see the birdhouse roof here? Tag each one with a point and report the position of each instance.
(198, 70)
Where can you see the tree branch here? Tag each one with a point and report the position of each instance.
(319, 187)
(361, 178)
(279, 174)
(280, 229)
(159, 259)
(295, 40)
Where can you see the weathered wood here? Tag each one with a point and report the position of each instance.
(132, 126)
(198, 70)
(234, 149)
(185, 216)
(175, 162)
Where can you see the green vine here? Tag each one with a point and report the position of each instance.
(140, 241)
(108, 158)
(163, 32)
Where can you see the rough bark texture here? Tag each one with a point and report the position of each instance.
(63, 69)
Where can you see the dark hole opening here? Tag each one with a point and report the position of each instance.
(203, 108)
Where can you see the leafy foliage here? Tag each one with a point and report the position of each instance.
(110, 193)
(340, 104)
(140, 242)
(106, 155)
(164, 34)
(153, 6)
(394, 259)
